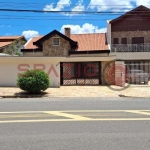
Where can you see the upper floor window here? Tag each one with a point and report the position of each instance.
(138, 40)
(56, 42)
(124, 41)
(115, 41)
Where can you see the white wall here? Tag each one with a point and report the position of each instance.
(131, 55)
(11, 66)
(109, 34)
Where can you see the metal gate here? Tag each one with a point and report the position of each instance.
(80, 73)
(138, 65)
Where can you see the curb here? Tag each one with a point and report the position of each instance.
(48, 96)
(22, 96)
(51, 96)
(131, 96)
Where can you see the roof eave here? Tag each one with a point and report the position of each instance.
(31, 50)
(89, 52)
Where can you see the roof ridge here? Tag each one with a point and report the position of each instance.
(9, 35)
(88, 33)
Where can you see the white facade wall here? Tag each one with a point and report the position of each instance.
(131, 55)
(10, 67)
(109, 34)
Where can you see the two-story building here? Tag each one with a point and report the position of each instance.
(129, 38)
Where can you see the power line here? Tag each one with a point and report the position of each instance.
(72, 12)
(61, 18)
(44, 11)
(60, 4)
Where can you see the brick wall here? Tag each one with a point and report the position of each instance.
(108, 72)
(130, 34)
(61, 50)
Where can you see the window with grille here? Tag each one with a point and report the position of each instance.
(56, 42)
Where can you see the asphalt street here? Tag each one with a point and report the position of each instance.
(75, 123)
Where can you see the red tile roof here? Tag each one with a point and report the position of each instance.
(86, 42)
(2, 44)
(10, 37)
(90, 42)
(29, 44)
(7, 40)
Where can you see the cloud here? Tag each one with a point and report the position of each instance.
(99, 5)
(59, 6)
(30, 33)
(116, 5)
(103, 5)
(85, 28)
(142, 2)
(79, 6)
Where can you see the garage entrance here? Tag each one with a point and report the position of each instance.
(80, 73)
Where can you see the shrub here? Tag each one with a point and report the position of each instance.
(33, 81)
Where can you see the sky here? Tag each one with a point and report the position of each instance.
(31, 24)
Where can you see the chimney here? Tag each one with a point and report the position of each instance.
(67, 32)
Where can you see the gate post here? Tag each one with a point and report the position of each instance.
(120, 73)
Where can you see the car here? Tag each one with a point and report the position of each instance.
(137, 76)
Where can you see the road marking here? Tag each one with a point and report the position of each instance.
(17, 112)
(100, 110)
(69, 116)
(25, 116)
(75, 120)
(138, 112)
(76, 117)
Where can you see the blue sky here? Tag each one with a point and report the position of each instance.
(34, 24)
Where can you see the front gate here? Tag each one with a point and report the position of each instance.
(80, 73)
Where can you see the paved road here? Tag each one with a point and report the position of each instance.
(73, 124)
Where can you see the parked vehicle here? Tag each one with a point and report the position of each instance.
(137, 76)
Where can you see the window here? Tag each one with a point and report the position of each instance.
(56, 42)
(124, 41)
(115, 41)
(138, 40)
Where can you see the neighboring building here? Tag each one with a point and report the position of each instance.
(129, 38)
(7, 43)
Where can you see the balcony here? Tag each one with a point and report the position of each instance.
(130, 47)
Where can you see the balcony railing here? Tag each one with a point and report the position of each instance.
(130, 48)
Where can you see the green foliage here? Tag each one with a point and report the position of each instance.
(13, 49)
(33, 81)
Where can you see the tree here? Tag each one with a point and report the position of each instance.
(13, 48)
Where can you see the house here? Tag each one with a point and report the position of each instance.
(129, 38)
(87, 59)
(9, 43)
(84, 55)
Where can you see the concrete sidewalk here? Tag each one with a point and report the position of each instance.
(81, 91)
